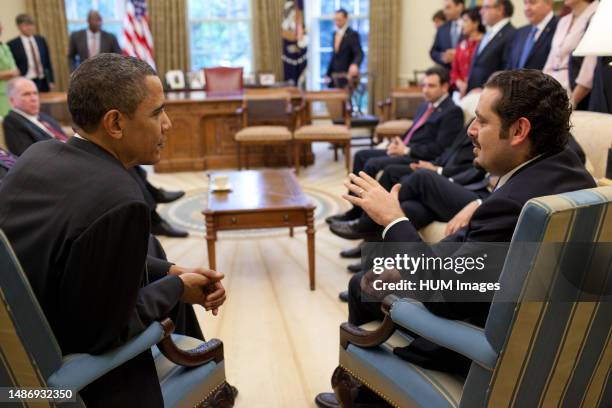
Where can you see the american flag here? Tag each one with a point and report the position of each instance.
(138, 41)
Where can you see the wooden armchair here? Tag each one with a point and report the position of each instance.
(396, 112)
(191, 372)
(268, 118)
(339, 134)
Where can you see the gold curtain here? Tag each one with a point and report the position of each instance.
(383, 48)
(50, 18)
(267, 43)
(168, 19)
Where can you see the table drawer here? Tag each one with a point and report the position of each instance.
(261, 220)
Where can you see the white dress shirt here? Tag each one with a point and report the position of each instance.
(31, 73)
(96, 38)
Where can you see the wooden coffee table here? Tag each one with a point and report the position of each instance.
(260, 199)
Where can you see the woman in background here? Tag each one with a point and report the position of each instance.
(8, 70)
(575, 74)
(473, 29)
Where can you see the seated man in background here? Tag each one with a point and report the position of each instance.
(437, 123)
(25, 124)
(520, 135)
(80, 227)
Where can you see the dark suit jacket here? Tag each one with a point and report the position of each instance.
(21, 58)
(539, 53)
(82, 241)
(493, 58)
(458, 157)
(348, 53)
(442, 42)
(438, 132)
(601, 94)
(20, 133)
(78, 49)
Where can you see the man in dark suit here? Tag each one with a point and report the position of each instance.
(520, 134)
(31, 54)
(601, 94)
(493, 51)
(436, 125)
(25, 125)
(91, 41)
(531, 43)
(80, 227)
(448, 35)
(347, 54)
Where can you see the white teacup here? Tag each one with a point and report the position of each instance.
(221, 182)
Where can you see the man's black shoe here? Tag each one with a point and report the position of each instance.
(355, 268)
(326, 400)
(164, 196)
(364, 399)
(164, 228)
(349, 230)
(337, 218)
(343, 296)
(352, 252)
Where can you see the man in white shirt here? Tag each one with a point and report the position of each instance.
(31, 54)
(91, 41)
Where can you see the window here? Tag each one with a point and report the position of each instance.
(321, 27)
(112, 12)
(220, 33)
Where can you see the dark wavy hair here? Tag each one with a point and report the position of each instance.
(531, 94)
(473, 14)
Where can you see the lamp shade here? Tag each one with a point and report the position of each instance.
(597, 40)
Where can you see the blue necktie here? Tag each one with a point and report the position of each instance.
(454, 33)
(483, 42)
(527, 47)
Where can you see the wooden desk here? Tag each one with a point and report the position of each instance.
(260, 199)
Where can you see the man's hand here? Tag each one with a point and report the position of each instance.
(421, 164)
(367, 284)
(397, 147)
(51, 86)
(353, 71)
(461, 86)
(462, 218)
(381, 205)
(211, 287)
(448, 55)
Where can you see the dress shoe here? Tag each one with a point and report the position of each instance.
(350, 230)
(336, 218)
(164, 228)
(343, 296)
(355, 268)
(327, 400)
(352, 252)
(369, 400)
(164, 196)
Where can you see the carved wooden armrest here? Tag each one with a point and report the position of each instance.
(211, 350)
(352, 334)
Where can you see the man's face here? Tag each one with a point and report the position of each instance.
(26, 29)
(144, 134)
(432, 89)
(536, 10)
(25, 97)
(491, 151)
(451, 10)
(491, 12)
(94, 20)
(340, 20)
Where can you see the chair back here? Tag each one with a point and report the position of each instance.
(29, 351)
(267, 107)
(552, 352)
(593, 132)
(405, 103)
(337, 103)
(223, 79)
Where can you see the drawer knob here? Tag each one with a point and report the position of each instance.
(286, 217)
(234, 220)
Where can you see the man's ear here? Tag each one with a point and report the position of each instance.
(112, 122)
(519, 131)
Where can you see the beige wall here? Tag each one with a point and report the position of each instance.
(418, 32)
(10, 9)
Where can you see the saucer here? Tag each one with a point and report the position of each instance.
(220, 189)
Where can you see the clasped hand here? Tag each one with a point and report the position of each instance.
(201, 286)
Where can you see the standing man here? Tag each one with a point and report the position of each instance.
(91, 41)
(448, 35)
(492, 53)
(347, 55)
(31, 54)
(531, 43)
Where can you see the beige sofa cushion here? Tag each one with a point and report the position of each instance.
(593, 132)
(323, 132)
(393, 127)
(263, 133)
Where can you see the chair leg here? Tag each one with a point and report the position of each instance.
(344, 385)
(239, 156)
(335, 152)
(347, 156)
(296, 157)
(246, 151)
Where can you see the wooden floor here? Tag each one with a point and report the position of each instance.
(281, 339)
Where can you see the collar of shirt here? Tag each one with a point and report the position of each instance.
(79, 136)
(342, 30)
(496, 28)
(504, 179)
(34, 120)
(92, 34)
(24, 38)
(540, 27)
(439, 101)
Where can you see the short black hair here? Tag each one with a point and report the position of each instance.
(104, 82)
(473, 14)
(440, 71)
(24, 19)
(539, 98)
(439, 15)
(343, 12)
(458, 2)
(508, 7)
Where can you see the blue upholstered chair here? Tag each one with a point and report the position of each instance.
(191, 372)
(530, 353)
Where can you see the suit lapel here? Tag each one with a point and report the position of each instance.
(38, 133)
(541, 39)
(497, 37)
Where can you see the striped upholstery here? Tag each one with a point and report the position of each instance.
(550, 353)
